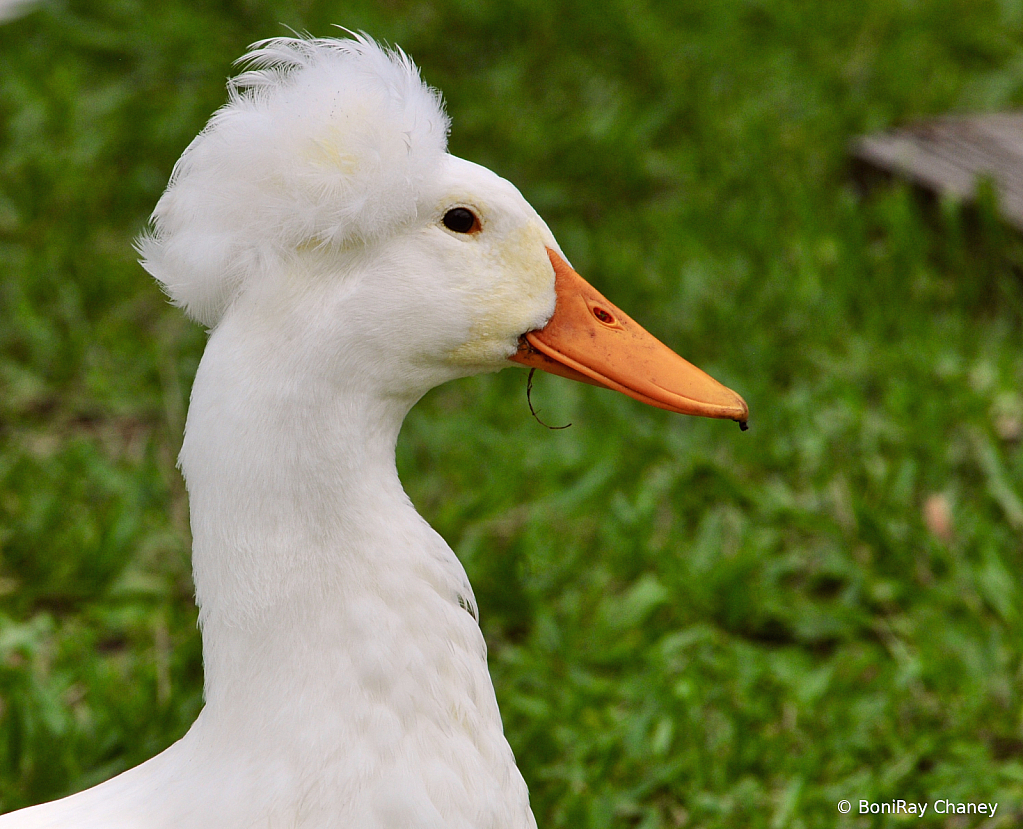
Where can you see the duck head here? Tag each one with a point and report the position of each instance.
(321, 205)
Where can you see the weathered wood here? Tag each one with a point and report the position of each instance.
(951, 156)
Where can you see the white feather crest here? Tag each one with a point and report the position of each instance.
(322, 141)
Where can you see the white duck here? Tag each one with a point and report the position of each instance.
(346, 264)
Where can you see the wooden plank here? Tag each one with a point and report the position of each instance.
(950, 156)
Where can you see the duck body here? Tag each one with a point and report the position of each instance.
(355, 691)
(319, 229)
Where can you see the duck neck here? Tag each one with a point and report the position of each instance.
(319, 586)
(343, 660)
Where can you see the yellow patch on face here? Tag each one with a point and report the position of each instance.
(516, 296)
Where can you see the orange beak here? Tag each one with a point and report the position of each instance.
(589, 339)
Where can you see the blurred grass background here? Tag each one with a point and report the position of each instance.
(688, 626)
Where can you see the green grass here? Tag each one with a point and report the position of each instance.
(688, 626)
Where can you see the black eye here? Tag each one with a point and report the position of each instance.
(461, 220)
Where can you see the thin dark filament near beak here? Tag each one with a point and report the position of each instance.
(529, 388)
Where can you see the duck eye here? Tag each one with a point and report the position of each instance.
(461, 220)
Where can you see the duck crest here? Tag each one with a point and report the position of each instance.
(322, 142)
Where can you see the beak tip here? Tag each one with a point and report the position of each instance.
(743, 419)
(731, 406)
